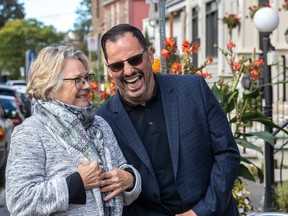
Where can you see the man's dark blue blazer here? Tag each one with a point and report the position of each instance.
(204, 155)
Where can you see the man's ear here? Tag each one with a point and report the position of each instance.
(151, 54)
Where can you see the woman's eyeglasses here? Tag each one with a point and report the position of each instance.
(133, 61)
(80, 81)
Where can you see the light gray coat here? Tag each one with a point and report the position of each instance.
(38, 164)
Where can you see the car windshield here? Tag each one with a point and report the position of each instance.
(8, 104)
(7, 92)
(22, 84)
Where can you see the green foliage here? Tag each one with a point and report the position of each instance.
(240, 194)
(18, 36)
(83, 24)
(242, 108)
(148, 39)
(10, 9)
(281, 197)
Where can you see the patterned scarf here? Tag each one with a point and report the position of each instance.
(78, 128)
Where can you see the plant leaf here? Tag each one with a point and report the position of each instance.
(266, 136)
(246, 144)
(245, 173)
(259, 171)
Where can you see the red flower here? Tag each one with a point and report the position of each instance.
(186, 47)
(195, 47)
(236, 66)
(259, 61)
(230, 45)
(164, 53)
(209, 59)
(204, 74)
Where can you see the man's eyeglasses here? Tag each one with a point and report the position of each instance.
(133, 61)
(80, 81)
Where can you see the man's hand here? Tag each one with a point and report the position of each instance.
(116, 182)
(188, 213)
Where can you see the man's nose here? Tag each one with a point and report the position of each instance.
(127, 67)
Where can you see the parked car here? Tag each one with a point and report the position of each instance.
(6, 128)
(26, 104)
(10, 91)
(19, 85)
(11, 109)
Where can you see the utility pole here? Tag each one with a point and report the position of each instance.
(162, 23)
(97, 13)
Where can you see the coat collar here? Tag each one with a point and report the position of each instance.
(170, 107)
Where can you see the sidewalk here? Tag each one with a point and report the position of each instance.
(256, 194)
(256, 197)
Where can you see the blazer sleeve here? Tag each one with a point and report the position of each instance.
(28, 191)
(226, 157)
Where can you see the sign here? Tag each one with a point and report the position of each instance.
(92, 43)
(30, 56)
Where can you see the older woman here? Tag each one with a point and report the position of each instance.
(64, 159)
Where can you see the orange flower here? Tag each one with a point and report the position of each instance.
(94, 85)
(169, 43)
(113, 91)
(164, 53)
(90, 96)
(255, 73)
(156, 66)
(176, 68)
(103, 95)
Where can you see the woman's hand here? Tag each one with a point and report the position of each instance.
(116, 182)
(91, 174)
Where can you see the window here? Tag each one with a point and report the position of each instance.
(195, 37)
(211, 29)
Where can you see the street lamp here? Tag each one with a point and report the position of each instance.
(266, 21)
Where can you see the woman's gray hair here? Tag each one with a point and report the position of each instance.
(45, 71)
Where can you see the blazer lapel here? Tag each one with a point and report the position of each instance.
(124, 124)
(170, 107)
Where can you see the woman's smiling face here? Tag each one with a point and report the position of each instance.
(68, 92)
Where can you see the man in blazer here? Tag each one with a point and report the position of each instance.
(173, 131)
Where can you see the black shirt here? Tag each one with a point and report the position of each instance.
(150, 124)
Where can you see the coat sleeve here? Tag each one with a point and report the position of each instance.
(28, 191)
(119, 161)
(226, 157)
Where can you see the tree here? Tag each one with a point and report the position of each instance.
(10, 9)
(83, 25)
(18, 36)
